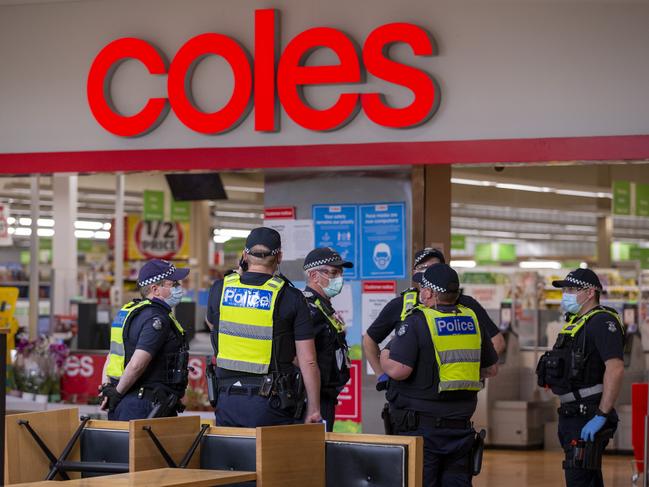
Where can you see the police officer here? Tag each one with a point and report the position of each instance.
(585, 369)
(146, 371)
(395, 312)
(436, 360)
(324, 273)
(260, 324)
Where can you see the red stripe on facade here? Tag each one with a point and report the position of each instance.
(603, 148)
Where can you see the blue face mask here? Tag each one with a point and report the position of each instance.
(175, 296)
(334, 287)
(570, 304)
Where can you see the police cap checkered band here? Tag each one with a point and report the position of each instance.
(439, 277)
(158, 270)
(580, 278)
(428, 253)
(325, 256)
(266, 237)
(430, 285)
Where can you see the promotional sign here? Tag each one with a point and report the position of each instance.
(376, 294)
(486, 253)
(5, 236)
(621, 198)
(642, 199)
(383, 241)
(349, 408)
(82, 374)
(280, 213)
(181, 211)
(336, 226)
(156, 239)
(458, 242)
(154, 205)
(278, 76)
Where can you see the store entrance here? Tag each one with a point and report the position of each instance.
(510, 229)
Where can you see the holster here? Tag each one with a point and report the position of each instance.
(477, 451)
(212, 384)
(587, 455)
(165, 405)
(387, 420)
(178, 368)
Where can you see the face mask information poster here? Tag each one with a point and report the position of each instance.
(382, 241)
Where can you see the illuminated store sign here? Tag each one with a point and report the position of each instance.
(271, 77)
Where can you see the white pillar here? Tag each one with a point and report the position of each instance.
(118, 283)
(64, 244)
(34, 277)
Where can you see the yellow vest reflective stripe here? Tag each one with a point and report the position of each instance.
(335, 322)
(116, 355)
(576, 322)
(457, 342)
(410, 302)
(245, 339)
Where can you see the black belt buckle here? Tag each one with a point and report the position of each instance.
(266, 386)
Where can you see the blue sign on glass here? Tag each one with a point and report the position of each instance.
(336, 226)
(383, 241)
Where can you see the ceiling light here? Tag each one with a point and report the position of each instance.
(23, 232)
(539, 264)
(523, 187)
(221, 238)
(102, 235)
(465, 264)
(84, 233)
(579, 228)
(11, 220)
(86, 225)
(244, 189)
(25, 222)
(471, 182)
(231, 232)
(45, 232)
(585, 194)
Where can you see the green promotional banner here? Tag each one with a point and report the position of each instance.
(486, 253)
(181, 211)
(154, 205)
(642, 199)
(621, 197)
(642, 256)
(458, 242)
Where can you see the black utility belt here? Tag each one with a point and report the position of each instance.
(573, 409)
(154, 394)
(413, 419)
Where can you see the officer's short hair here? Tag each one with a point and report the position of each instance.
(146, 290)
(268, 261)
(449, 297)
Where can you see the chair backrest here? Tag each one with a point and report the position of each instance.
(384, 461)
(104, 441)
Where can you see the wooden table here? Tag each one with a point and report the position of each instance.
(164, 477)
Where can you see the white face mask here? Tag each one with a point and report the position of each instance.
(334, 287)
(176, 295)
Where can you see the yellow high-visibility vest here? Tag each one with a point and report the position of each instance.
(116, 356)
(410, 302)
(576, 322)
(245, 338)
(457, 342)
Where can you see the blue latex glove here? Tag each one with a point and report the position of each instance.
(591, 428)
(382, 382)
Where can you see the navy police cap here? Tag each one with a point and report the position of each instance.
(157, 270)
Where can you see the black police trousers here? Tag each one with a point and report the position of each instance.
(243, 407)
(570, 429)
(447, 455)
